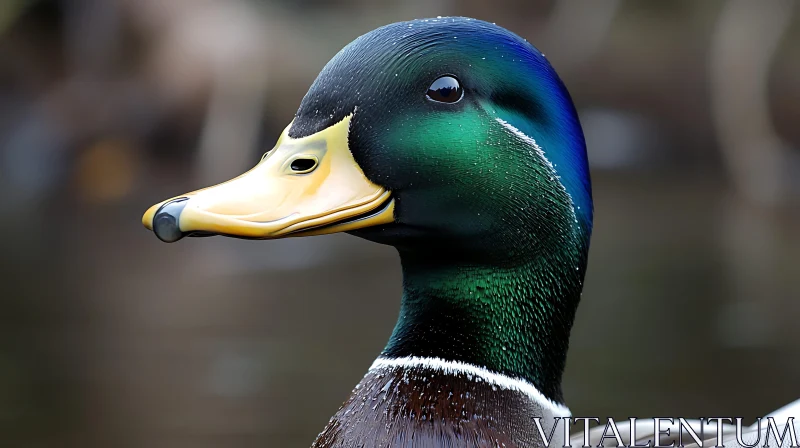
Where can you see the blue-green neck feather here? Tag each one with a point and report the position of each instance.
(493, 229)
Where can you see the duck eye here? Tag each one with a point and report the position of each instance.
(445, 89)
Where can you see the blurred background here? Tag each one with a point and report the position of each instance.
(110, 338)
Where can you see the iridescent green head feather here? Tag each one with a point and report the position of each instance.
(455, 141)
(493, 198)
(507, 161)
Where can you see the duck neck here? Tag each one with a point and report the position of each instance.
(513, 319)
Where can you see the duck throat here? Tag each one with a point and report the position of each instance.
(512, 319)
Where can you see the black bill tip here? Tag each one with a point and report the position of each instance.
(166, 222)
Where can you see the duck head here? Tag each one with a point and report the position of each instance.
(455, 141)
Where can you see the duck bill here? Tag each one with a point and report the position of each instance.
(302, 187)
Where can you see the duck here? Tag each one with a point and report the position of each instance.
(454, 141)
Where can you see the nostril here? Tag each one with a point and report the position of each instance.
(166, 222)
(304, 165)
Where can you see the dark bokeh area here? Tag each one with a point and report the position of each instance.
(110, 338)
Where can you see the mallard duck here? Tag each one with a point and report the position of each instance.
(455, 141)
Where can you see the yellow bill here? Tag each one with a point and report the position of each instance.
(305, 186)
